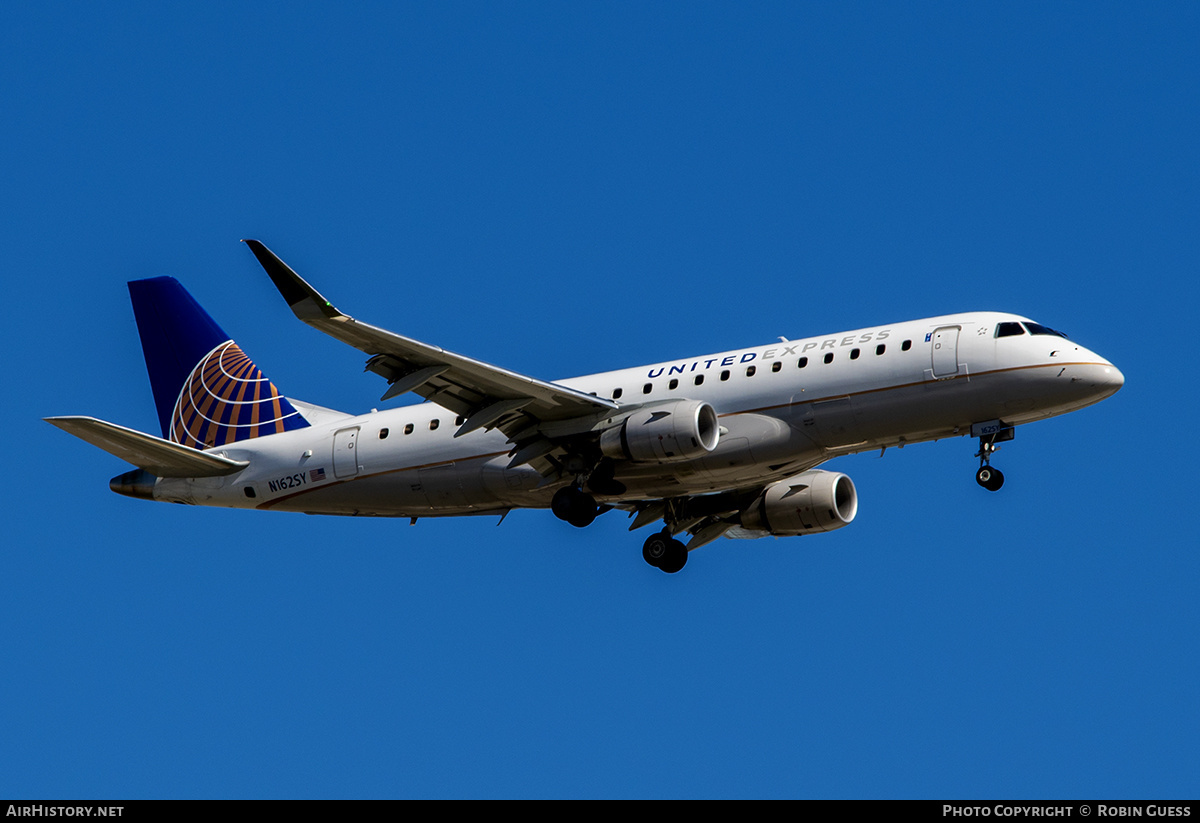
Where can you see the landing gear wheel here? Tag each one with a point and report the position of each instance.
(991, 479)
(560, 504)
(574, 505)
(583, 517)
(675, 558)
(656, 548)
(663, 552)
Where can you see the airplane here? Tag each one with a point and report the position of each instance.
(725, 444)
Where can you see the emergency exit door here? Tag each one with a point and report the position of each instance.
(345, 453)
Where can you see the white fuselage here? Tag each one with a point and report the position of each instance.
(782, 409)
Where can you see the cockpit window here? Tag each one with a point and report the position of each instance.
(1009, 329)
(1035, 328)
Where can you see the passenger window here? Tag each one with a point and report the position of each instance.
(776, 366)
(674, 384)
(433, 424)
(880, 349)
(1009, 329)
(617, 393)
(383, 433)
(408, 429)
(803, 362)
(906, 345)
(725, 374)
(750, 371)
(458, 421)
(854, 354)
(699, 379)
(829, 357)
(646, 389)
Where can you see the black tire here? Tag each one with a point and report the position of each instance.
(675, 559)
(656, 548)
(561, 503)
(584, 514)
(573, 505)
(991, 479)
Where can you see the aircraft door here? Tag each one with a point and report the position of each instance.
(945, 351)
(345, 453)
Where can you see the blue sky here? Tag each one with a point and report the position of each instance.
(563, 189)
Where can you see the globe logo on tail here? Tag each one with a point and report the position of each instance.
(226, 398)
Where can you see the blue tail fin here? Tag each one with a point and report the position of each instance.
(207, 391)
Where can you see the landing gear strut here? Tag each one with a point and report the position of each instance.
(664, 552)
(603, 479)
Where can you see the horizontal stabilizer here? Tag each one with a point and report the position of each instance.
(157, 456)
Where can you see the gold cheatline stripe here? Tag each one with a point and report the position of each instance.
(269, 503)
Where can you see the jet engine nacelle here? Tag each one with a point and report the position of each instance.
(664, 433)
(815, 501)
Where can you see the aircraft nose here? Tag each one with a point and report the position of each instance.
(1115, 378)
(1088, 380)
(1106, 378)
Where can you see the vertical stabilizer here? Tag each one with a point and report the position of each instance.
(207, 391)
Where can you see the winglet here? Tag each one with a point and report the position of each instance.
(305, 301)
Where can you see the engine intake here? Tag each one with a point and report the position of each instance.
(664, 433)
(815, 501)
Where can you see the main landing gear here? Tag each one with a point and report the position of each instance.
(661, 550)
(577, 507)
(574, 505)
(664, 552)
(988, 477)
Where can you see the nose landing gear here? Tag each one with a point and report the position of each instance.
(989, 435)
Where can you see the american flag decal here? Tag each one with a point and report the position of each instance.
(316, 474)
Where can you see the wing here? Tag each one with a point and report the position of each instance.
(157, 456)
(533, 413)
